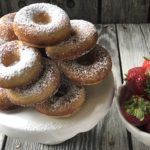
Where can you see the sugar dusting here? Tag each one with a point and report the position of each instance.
(2, 41)
(24, 18)
(47, 78)
(82, 30)
(27, 57)
(6, 27)
(101, 65)
(73, 94)
(9, 18)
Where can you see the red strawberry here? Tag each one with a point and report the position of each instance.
(146, 65)
(137, 79)
(147, 127)
(136, 111)
(126, 93)
(146, 62)
(147, 71)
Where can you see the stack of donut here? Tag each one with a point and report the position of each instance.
(46, 59)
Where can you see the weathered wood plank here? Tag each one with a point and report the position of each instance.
(73, 7)
(109, 133)
(115, 135)
(102, 11)
(145, 31)
(2, 139)
(3, 8)
(14, 5)
(133, 44)
(82, 9)
(124, 11)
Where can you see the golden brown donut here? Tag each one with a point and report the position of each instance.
(42, 24)
(83, 38)
(19, 64)
(6, 28)
(89, 69)
(37, 92)
(5, 103)
(68, 100)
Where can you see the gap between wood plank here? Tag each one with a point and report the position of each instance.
(130, 146)
(121, 71)
(4, 142)
(99, 18)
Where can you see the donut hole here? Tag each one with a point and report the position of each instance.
(63, 90)
(73, 33)
(42, 18)
(88, 59)
(10, 58)
(73, 36)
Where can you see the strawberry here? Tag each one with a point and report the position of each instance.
(147, 127)
(146, 62)
(136, 110)
(146, 65)
(136, 79)
(126, 93)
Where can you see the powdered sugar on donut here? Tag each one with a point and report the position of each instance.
(6, 27)
(46, 79)
(2, 41)
(58, 17)
(82, 30)
(27, 58)
(9, 18)
(74, 94)
(100, 67)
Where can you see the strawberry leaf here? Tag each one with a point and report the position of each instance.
(146, 58)
(137, 107)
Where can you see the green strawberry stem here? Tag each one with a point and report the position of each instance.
(137, 107)
(146, 58)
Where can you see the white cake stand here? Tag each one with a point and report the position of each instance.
(31, 125)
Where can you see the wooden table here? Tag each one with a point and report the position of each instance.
(127, 45)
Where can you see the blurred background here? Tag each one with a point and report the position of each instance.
(96, 11)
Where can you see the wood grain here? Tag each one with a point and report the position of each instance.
(124, 11)
(113, 126)
(133, 44)
(105, 134)
(76, 9)
(83, 9)
(2, 140)
(96, 11)
(145, 31)
(14, 5)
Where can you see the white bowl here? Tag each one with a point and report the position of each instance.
(34, 126)
(140, 135)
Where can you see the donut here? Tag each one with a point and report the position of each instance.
(19, 64)
(83, 38)
(2, 41)
(5, 103)
(89, 69)
(68, 100)
(42, 24)
(37, 92)
(6, 28)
